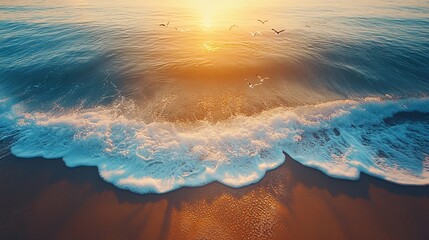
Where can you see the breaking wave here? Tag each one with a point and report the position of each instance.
(386, 138)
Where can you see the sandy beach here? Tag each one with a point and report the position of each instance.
(43, 199)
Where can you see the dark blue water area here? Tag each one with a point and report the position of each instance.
(47, 65)
(369, 68)
(392, 58)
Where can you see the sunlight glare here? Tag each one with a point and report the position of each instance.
(215, 13)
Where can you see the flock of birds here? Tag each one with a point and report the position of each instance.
(277, 32)
(232, 27)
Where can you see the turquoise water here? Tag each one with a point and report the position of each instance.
(158, 108)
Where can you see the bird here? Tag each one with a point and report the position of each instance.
(307, 25)
(261, 79)
(277, 32)
(233, 26)
(254, 33)
(182, 29)
(252, 85)
(263, 22)
(164, 25)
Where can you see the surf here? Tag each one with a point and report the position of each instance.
(386, 138)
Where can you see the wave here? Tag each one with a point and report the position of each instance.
(386, 138)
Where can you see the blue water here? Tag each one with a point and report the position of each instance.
(156, 109)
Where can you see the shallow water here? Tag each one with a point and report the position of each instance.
(157, 108)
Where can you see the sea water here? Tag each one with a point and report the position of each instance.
(157, 108)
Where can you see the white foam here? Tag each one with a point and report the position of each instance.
(341, 138)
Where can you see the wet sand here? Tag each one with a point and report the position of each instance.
(43, 199)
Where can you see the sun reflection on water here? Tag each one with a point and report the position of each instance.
(211, 46)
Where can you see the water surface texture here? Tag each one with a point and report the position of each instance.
(156, 108)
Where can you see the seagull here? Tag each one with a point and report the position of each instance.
(263, 22)
(277, 32)
(233, 26)
(164, 25)
(252, 85)
(182, 29)
(261, 79)
(255, 33)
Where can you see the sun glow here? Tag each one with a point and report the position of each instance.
(216, 13)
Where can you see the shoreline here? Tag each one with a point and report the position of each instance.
(44, 199)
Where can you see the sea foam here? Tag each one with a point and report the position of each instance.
(386, 138)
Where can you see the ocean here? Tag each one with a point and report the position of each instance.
(215, 94)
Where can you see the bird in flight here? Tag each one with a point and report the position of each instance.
(164, 25)
(252, 85)
(233, 26)
(261, 79)
(182, 29)
(263, 22)
(255, 33)
(277, 32)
